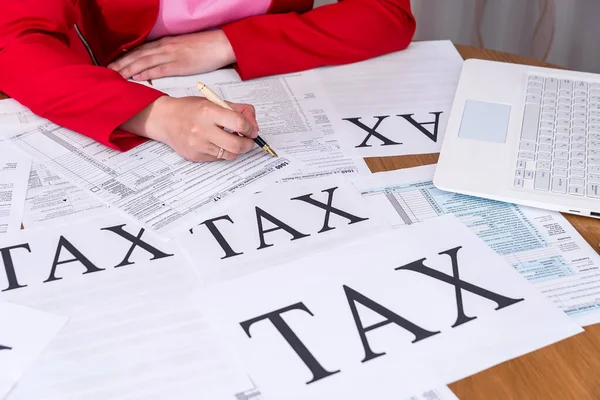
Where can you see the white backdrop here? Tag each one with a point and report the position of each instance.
(563, 32)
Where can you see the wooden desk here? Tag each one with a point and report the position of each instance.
(564, 371)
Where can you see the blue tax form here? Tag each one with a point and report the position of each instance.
(542, 245)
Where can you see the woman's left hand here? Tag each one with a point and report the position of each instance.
(194, 53)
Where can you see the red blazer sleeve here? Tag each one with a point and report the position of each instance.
(38, 69)
(346, 32)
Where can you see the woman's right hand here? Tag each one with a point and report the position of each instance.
(193, 127)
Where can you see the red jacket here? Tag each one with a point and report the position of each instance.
(45, 66)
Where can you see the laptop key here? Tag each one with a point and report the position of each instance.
(593, 190)
(527, 146)
(559, 185)
(577, 182)
(548, 117)
(546, 140)
(593, 178)
(561, 164)
(564, 101)
(565, 93)
(595, 161)
(543, 165)
(578, 130)
(562, 146)
(560, 172)
(526, 156)
(521, 164)
(578, 138)
(594, 128)
(566, 84)
(562, 155)
(563, 130)
(519, 173)
(531, 118)
(578, 155)
(577, 173)
(536, 91)
(545, 148)
(563, 115)
(594, 169)
(551, 85)
(577, 164)
(580, 93)
(576, 190)
(519, 182)
(528, 174)
(542, 180)
(581, 86)
(544, 157)
(578, 146)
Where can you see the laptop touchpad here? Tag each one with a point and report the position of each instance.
(484, 121)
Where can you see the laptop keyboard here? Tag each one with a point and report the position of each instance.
(559, 151)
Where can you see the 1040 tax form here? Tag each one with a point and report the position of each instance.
(150, 183)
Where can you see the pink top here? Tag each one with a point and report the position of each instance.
(177, 17)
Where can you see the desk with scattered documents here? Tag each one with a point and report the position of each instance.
(565, 370)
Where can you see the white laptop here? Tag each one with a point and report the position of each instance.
(524, 135)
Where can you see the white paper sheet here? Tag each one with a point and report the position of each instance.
(151, 183)
(271, 227)
(398, 291)
(132, 332)
(24, 334)
(541, 245)
(13, 115)
(293, 113)
(408, 93)
(52, 201)
(14, 173)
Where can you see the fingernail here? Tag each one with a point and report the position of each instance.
(136, 77)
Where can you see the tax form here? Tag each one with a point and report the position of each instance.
(542, 245)
(52, 200)
(14, 171)
(14, 115)
(151, 183)
(293, 114)
(398, 103)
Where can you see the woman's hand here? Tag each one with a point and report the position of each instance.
(193, 127)
(178, 55)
